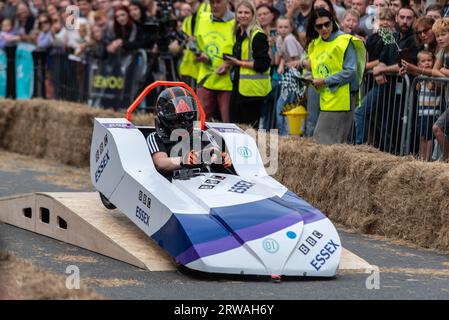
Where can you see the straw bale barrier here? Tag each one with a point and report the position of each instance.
(371, 191)
(56, 130)
(357, 187)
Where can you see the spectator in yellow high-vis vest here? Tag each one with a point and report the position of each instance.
(188, 69)
(337, 61)
(250, 73)
(215, 39)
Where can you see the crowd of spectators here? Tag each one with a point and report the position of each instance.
(420, 29)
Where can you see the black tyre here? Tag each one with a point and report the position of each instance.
(108, 204)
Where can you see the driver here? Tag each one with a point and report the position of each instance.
(176, 113)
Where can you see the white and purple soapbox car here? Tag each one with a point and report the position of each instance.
(244, 222)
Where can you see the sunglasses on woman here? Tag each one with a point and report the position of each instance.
(325, 25)
(424, 31)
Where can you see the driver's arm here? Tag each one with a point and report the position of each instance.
(164, 163)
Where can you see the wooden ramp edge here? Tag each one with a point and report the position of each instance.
(352, 263)
(79, 218)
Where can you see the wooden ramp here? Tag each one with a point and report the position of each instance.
(79, 218)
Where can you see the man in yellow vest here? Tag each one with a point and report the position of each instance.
(215, 38)
(188, 68)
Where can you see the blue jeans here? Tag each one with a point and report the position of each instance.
(362, 114)
(267, 110)
(281, 121)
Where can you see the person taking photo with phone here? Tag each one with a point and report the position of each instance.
(250, 66)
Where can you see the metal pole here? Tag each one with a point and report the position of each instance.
(10, 50)
(40, 59)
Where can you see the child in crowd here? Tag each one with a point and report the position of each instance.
(428, 107)
(7, 34)
(441, 69)
(351, 20)
(84, 38)
(288, 56)
(97, 44)
(350, 24)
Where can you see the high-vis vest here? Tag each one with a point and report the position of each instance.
(253, 83)
(214, 39)
(204, 8)
(326, 59)
(189, 66)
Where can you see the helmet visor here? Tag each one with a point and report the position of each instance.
(185, 115)
(184, 104)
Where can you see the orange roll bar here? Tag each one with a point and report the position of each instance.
(156, 84)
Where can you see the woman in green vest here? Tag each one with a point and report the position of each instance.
(337, 61)
(250, 61)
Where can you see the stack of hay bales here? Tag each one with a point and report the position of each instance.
(371, 191)
(55, 130)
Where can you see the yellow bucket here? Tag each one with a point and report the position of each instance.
(296, 120)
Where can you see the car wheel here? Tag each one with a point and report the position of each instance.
(108, 204)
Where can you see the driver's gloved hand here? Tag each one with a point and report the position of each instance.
(226, 160)
(190, 159)
(220, 157)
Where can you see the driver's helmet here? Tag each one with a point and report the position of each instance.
(175, 109)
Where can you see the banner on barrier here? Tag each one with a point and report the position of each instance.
(113, 81)
(24, 70)
(3, 66)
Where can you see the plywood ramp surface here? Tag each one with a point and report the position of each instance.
(350, 262)
(79, 218)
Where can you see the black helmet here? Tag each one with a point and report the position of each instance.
(175, 109)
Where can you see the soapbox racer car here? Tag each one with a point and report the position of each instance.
(241, 222)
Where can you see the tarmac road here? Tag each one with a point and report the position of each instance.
(405, 272)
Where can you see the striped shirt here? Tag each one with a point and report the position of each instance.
(155, 144)
(428, 101)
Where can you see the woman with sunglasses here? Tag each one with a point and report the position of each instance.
(45, 37)
(337, 62)
(425, 40)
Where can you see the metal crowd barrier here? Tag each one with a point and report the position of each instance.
(68, 76)
(112, 82)
(427, 102)
(381, 119)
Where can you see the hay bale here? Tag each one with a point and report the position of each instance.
(371, 191)
(20, 279)
(412, 195)
(339, 179)
(53, 130)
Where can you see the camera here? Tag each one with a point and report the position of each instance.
(161, 29)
